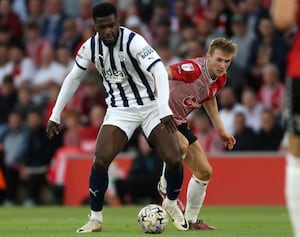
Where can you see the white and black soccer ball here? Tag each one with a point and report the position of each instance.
(153, 219)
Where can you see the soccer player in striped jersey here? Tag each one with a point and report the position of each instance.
(195, 83)
(137, 89)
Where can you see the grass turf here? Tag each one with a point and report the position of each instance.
(232, 221)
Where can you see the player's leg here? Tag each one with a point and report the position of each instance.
(293, 157)
(197, 162)
(162, 184)
(110, 142)
(167, 146)
(118, 127)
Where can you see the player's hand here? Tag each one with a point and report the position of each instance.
(228, 139)
(169, 123)
(52, 129)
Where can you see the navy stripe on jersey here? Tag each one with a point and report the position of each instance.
(130, 81)
(111, 91)
(152, 64)
(138, 69)
(114, 68)
(93, 49)
(78, 65)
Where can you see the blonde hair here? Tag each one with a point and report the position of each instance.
(225, 45)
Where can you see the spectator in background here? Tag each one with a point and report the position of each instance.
(195, 11)
(229, 107)
(70, 37)
(252, 108)
(52, 25)
(266, 48)
(205, 132)
(34, 42)
(5, 35)
(89, 132)
(93, 94)
(85, 17)
(271, 92)
(35, 11)
(140, 185)
(134, 23)
(49, 72)
(167, 55)
(21, 67)
(64, 57)
(72, 127)
(187, 33)
(270, 134)
(10, 19)
(24, 103)
(195, 48)
(180, 16)
(4, 59)
(37, 159)
(243, 39)
(8, 98)
(15, 144)
(246, 139)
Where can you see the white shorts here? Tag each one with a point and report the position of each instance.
(130, 118)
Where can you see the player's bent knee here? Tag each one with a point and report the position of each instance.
(173, 163)
(204, 174)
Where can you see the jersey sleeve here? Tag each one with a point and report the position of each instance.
(83, 57)
(186, 70)
(143, 52)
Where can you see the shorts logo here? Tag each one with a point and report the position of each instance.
(191, 101)
(188, 67)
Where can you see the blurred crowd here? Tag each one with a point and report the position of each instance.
(38, 42)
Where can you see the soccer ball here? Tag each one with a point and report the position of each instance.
(153, 219)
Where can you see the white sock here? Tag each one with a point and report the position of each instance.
(292, 191)
(97, 215)
(196, 192)
(170, 203)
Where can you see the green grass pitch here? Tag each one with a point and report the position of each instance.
(231, 221)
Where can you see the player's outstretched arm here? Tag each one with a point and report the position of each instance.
(211, 107)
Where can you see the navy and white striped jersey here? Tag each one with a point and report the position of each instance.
(124, 69)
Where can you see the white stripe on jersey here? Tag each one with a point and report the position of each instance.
(125, 69)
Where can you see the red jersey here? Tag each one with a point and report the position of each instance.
(191, 86)
(293, 62)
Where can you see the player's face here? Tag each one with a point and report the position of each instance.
(108, 29)
(218, 62)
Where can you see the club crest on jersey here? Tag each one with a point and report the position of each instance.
(122, 56)
(187, 67)
(191, 101)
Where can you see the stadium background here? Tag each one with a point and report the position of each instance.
(38, 40)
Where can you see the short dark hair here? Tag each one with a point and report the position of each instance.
(104, 9)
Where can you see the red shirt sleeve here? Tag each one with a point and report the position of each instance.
(186, 70)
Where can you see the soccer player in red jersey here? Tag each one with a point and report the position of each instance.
(286, 15)
(193, 83)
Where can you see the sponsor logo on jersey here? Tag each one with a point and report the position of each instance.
(114, 75)
(146, 51)
(188, 67)
(191, 101)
